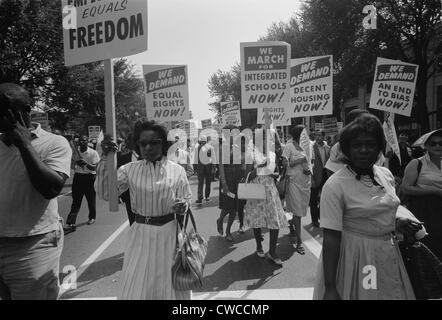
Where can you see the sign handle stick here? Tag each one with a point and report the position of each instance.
(111, 129)
(267, 119)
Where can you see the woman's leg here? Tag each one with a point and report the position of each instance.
(258, 239)
(273, 242)
(219, 221)
(232, 215)
(299, 248)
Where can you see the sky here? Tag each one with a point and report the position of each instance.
(205, 35)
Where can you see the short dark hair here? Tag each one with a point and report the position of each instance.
(365, 123)
(150, 125)
(322, 132)
(296, 131)
(353, 114)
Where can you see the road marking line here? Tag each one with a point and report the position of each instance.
(259, 294)
(97, 253)
(311, 243)
(64, 194)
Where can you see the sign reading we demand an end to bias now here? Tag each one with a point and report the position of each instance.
(166, 92)
(265, 71)
(311, 86)
(98, 30)
(393, 86)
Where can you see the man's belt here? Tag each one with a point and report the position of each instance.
(156, 221)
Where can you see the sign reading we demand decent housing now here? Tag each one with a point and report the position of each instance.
(311, 86)
(166, 92)
(393, 86)
(98, 30)
(265, 72)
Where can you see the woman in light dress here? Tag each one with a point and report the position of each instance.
(298, 193)
(360, 259)
(267, 213)
(159, 194)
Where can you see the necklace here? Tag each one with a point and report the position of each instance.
(363, 179)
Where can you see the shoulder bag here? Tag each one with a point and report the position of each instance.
(251, 191)
(188, 266)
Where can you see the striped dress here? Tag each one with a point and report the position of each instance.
(149, 253)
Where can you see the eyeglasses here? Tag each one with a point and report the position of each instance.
(437, 143)
(152, 143)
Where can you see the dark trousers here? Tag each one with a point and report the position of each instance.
(83, 185)
(204, 176)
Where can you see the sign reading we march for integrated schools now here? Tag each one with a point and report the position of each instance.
(393, 86)
(99, 30)
(311, 86)
(265, 71)
(231, 113)
(166, 92)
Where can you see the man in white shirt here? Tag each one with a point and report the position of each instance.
(34, 165)
(83, 184)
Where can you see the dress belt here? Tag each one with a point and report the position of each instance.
(384, 237)
(155, 221)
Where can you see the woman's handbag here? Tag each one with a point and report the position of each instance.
(424, 270)
(188, 267)
(283, 184)
(251, 191)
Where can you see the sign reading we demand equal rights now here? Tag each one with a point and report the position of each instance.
(393, 86)
(166, 92)
(99, 30)
(311, 86)
(265, 72)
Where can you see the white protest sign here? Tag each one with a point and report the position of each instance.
(393, 86)
(100, 30)
(390, 135)
(42, 118)
(94, 132)
(278, 116)
(305, 144)
(231, 113)
(207, 123)
(330, 126)
(311, 86)
(265, 71)
(166, 92)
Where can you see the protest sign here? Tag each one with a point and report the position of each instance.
(319, 126)
(99, 30)
(305, 144)
(390, 135)
(94, 132)
(231, 113)
(311, 86)
(277, 116)
(330, 126)
(207, 123)
(265, 71)
(393, 86)
(166, 92)
(42, 118)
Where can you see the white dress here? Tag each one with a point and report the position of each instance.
(149, 253)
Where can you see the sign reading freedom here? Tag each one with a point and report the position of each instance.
(100, 30)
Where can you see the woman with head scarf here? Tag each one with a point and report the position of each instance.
(360, 258)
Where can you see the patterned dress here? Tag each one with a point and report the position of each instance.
(267, 213)
(150, 250)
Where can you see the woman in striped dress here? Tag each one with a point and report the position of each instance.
(159, 193)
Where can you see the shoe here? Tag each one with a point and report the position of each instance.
(207, 199)
(300, 249)
(315, 224)
(276, 261)
(260, 254)
(229, 238)
(69, 228)
(91, 221)
(242, 230)
(198, 201)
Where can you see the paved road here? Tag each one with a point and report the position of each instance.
(233, 271)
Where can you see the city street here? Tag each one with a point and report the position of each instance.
(233, 271)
